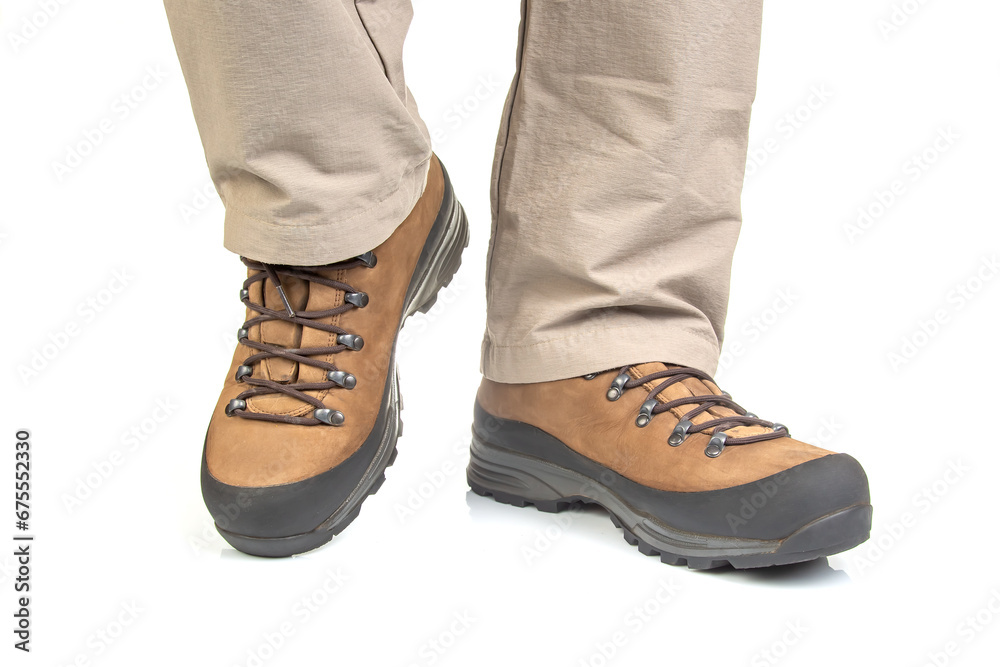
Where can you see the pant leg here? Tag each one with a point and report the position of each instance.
(616, 185)
(312, 138)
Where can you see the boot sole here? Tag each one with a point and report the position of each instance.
(439, 261)
(518, 478)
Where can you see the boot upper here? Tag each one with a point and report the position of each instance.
(248, 452)
(579, 413)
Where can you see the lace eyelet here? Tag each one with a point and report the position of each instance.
(351, 341)
(244, 294)
(359, 299)
(342, 379)
(242, 334)
(590, 376)
(680, 433)
(368, 259)
(234, 405)
(328, 416)
(242, 372)
(617, 387)
(781, 427)
(716, 445)
(645, 413)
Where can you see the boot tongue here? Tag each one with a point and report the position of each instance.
(689, 387)
(277, 332)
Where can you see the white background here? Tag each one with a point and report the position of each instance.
(532, 589)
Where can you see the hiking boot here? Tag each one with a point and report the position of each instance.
(309, 415)
(688, 474)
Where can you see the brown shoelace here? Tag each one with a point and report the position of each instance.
(715, 427)
(335, 377)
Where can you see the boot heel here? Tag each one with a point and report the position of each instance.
(451, 260)
(494, 472)
(442, 256)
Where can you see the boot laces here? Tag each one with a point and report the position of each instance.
(714, 427)
(336, 378)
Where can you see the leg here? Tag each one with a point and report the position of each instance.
(617, 180)
(311, 136)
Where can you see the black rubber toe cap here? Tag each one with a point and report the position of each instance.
(777, 506)
(285, 509)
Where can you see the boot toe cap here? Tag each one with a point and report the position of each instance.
(777, 506)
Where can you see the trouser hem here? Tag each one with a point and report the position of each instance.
(325, 243)
(600, 350)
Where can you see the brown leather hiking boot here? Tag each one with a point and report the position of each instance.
(687, 473)
(309, 416)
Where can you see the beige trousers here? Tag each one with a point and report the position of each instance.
(616, 180)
